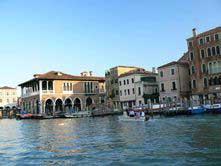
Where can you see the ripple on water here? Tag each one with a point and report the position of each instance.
(106, 141)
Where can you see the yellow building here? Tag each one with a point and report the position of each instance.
(112, 83)
(8, 97)
(57, 91)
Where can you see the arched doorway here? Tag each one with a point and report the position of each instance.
(49, 107)
(58, 105)
(77, 104)
(68, 104)
(89, 102)
(37, 107)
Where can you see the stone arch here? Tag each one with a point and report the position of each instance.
(89, 102)
(49, 104)
(58, 105)
(68, 104)
(77, 104)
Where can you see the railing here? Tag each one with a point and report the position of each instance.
(47, 91)
(215, 70)
(30, 94)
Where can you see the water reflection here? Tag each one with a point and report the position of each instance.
(107, 141)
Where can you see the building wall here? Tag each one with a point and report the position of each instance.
(60, 91)
(112, 83)
(8, 97)
(135, 98)
(196, 44)
(181, 79)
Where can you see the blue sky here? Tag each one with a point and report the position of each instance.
(76, 35)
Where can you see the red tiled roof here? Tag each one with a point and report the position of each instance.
(6, 87)
(174, 63)
(57, 75)
(138, 71)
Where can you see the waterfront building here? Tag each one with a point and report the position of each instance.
(8, 97)
(174, 80)
(112, 83)
(138, 87)
(204, 52)
(56, 91)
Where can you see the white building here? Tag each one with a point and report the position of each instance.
(8, 97)
(135, 85)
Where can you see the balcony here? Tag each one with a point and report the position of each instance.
(215, 70)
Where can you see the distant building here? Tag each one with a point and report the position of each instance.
(204, 52)
(174, 81)
(112, 83)
(137, 87)
(8, 97)
(57, 91)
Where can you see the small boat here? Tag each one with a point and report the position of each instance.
(197, 110)
(208, 108)
(127, 118)
(216, 108)
(24, 116)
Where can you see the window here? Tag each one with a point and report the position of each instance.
(125, 92)
(172, 71)
(50, 85)
(162, 87)
(213, 51)
(191, 56)
(120, 83)
(71, 87)
(193, 69)
(124, 82)
(44, 85)
(139, 91)
(128, 91)
(132, 80)
(7, 100)
(201, 42)
(190, 44)
(65, 88)
(216, 37)
(204, 68)
(207, 39)
(173, 85)
(209, 52)
(161, 73)
(205, 82)
(117, 92)
(127, 81)
(217, 50)
(133, 91)
(194, 84)
(202, 53)
(120, 93)
(0, 100)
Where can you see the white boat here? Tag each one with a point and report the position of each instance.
(127, 118)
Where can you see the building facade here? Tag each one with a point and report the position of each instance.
(136, 88)
(8, 97)
(204, 52)
(174, 81)
(112, 83)
(56, 91)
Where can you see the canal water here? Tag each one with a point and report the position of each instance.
(181, 140)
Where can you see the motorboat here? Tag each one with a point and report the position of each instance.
(197, 110)
(125, 117)
(216, 108)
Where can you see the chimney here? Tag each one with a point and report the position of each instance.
(90, 72)
(194, 32)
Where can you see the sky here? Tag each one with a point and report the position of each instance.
(72, 36)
